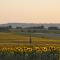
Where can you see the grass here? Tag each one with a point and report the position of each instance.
(11, 36)
(22, 39)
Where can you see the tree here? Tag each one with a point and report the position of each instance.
(42, 27)
(18, 27)
(9, 26)
(53, 28)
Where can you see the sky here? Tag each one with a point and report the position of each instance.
(29, 11)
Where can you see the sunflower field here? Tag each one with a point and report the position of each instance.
(30, 53)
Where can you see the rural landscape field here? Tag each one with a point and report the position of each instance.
(29, 44)
(29, 29)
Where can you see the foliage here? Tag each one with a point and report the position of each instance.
(29, 53)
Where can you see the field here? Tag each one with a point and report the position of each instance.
(16, 46)
(22, 39)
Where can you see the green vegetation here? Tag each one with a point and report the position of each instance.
(17, 46)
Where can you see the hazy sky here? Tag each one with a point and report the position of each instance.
(32, 11)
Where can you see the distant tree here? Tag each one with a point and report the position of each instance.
(18, 27)
(9, 26)
(42, 27)
(3, 29)
(36, 27)
(53, 28)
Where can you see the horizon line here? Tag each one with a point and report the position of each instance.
(27, 23)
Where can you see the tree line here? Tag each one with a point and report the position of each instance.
(42, 27)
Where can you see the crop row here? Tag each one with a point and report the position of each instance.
(30, 49)
(30, 53)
